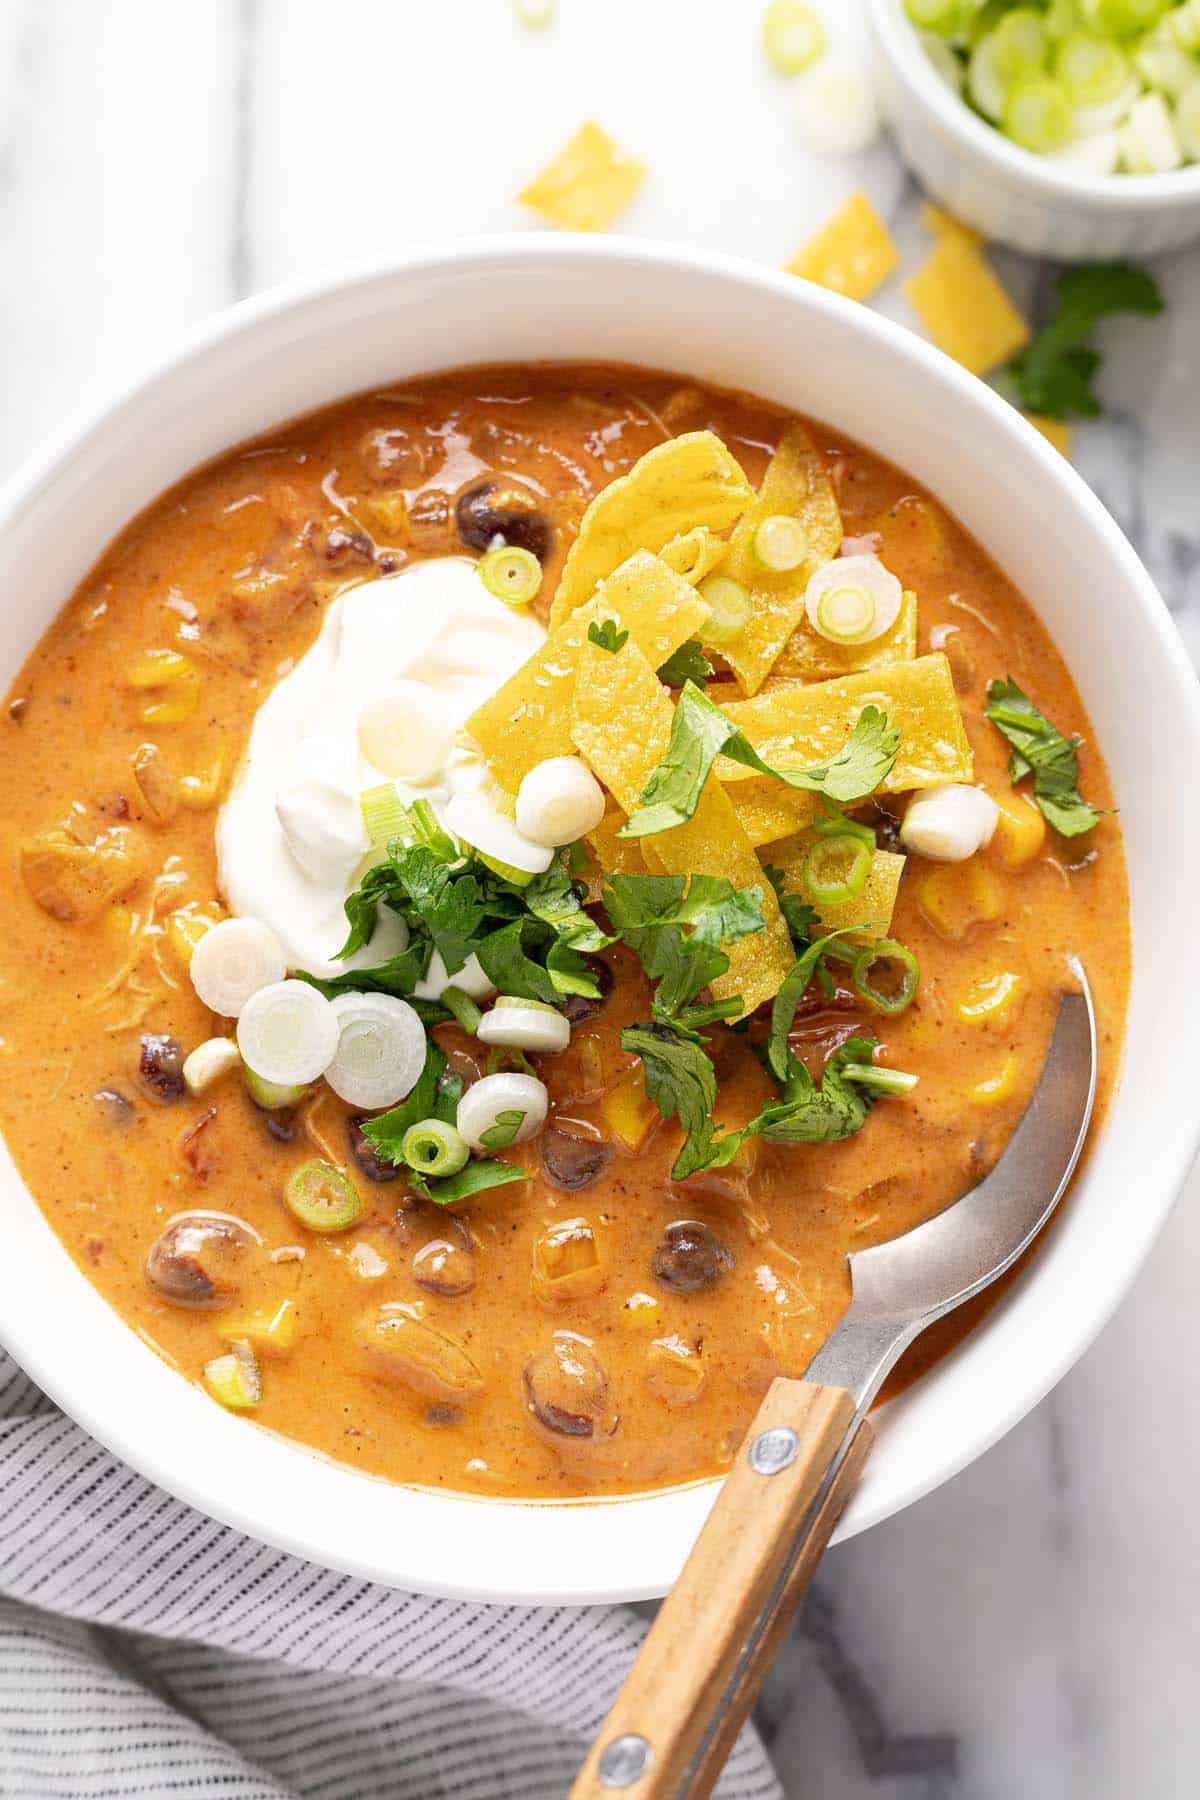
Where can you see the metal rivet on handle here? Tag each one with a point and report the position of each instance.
(774, 1450)
(624, 1761)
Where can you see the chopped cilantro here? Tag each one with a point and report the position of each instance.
(819, 1113)
(688, 663)
(783, 1008)
(650, 912)
(700, 732)
(436, 1096)
(607, 636)
(1039, 747)
(500, 1135)
(1054, 373)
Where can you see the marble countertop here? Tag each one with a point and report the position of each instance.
(1030, 1629)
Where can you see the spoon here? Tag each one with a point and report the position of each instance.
(700, 1668)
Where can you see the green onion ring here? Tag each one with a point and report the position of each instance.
(463, 1008)
(836, 868)
(432, 1147)
(510, 573)
(322, 1198)
(886, 950)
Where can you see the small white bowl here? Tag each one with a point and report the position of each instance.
(1008, 193)
(545, 297)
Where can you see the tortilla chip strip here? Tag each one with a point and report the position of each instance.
(871, 910)
(588, 185)
(963, 307)
(529, 718)
(797, 483)
(622, 725)
(613, 855)
(692, 480)
(808, 656)
(796, 726)
(767, 810)
(853, 253)
(695, 554)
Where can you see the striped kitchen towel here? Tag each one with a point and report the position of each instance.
(145, 1650)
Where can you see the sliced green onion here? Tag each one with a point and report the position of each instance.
(1122, 18)
(432, 1147)
(731, 609)
(1021, 43)
(1091, 70)
(840, 826)
(906, 977)
(780, 543)
(426, 829)
(1150, 143)
(517, 1000)
(884, 1081)
(384, 814)
(235, 1379)
(1184, 26)
(987, 88)
(836, 869)
(534, 15)
(511, 574)
(505, 1057)
(506, 871)
(946, 61)
(1187, 121)
(1061, 18)
(1163, 65)
(793, 36)
(946, 17)
(463, 1008)
(322, 1198)
(1038, 112)
(274, 1096)
(846, 614)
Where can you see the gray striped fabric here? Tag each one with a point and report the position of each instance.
(145, 1650)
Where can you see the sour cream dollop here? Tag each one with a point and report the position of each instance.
(290, 837)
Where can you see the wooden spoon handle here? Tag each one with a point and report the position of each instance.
(698, 1673)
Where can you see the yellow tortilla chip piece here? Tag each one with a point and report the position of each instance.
(808, 656)
(871, 911)
(797, 726)
(695, 554)
(964, 308)
(767, 810)
(622, 724)
(588, 185)
(796, 482)
(692, 480)
(942, 224)
(1055, 431)
(616, 855)
(853, 253)
(529, 718)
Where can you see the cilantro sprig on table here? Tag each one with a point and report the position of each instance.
(1054, 373)
(700, 732)
(1040, 749)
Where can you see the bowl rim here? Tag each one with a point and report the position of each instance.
(481, 256)
(900, 41)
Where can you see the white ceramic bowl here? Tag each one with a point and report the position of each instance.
(560, 297)
(1009, 193)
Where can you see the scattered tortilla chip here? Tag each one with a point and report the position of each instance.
(796, 482)
(797, 726)
(767, 810)
(964, 308)
(853, 253)
(621, 725)
(612, 855)
(695, 554)
(1055, 431)
(944, 225)
(588, 185)
(529, 718)
(807, 656)
(871, 910)
(689, 481)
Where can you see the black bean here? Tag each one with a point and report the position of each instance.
(566, 1388)
(279, 1125)
(346, 542)
(493, 509)
(160, 1066)
(690, 1257)
(114, 1105)
(446, 1265)
(585, 1006)
(572, 1162)
(193, 1262)
(442, 1415)
(373, 1166)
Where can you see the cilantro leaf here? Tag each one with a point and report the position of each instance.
(1039, 746)
(399, 975)
(798, 915)
(808, 1113)
(1054, 373)
(682, 1082)
(649, 913)
(475, 1177)
(451, 908)
(607, 635)
(500, 1135)
(503, 956)
(553, 898)
(700, 732)
(783, 1007)
(385, 1132)
(688, 663)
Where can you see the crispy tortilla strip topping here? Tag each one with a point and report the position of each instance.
(796, 482)
(588, 184)
(529, 718)
(614, 855)
(766, 810)
(942, 224)
(853, 253)
(622, 725)
(794, 726)
(871, 910)
(964, 308)
(692, 480)
(695, 554)
(809, 657)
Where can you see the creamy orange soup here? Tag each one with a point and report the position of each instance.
(122, 735)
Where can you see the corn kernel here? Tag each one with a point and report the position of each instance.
(118, 919)
(185, 928)
(640, 1312)
(997, 1088)
(959, 896)
(270, 1328)
(675, 1373)
(1020, 831)
(990, 999)
(628, 1111)
(156, 669)
(199, 791)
